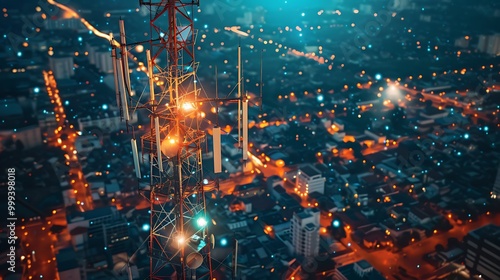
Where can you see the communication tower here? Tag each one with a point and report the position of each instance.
(179, 241)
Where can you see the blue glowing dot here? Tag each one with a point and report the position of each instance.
(105, 106)
(303, 14)
(36, 90)
(320, 98)
(80, 39)
(466, 136)
(19, 54)
(223, 242)
(378, 77)
(66, 102)
(145, 227)
(336, 223)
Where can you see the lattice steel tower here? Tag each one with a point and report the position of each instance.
(179, 244)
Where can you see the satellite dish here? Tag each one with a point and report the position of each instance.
(194, 260)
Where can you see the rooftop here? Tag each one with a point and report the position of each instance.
(309, 170)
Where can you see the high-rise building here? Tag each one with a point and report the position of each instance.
(489, 44)
(305, 232)
(495, 193)
(62, 66)
(483, 252)
(309, 180)
(103, 60)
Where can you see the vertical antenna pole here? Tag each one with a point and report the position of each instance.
(135, 156)
(124, 54)
(151, 80)
(245, 129)
(239, 96)
(217, 150)
(123, 93)
(235, 259)
(158, 144)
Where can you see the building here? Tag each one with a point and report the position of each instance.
(379, 137)
(421, 215)
(62, 66)
(462, 42)
(495, 194)
(23, 138)
(106, 120)
(305, 232)
(19, 128)
(483, 252)
(309, 180)
(103, 60)
(64, 23)
(68, 266)
(358, 270)
(489, 44)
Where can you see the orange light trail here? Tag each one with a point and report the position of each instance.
(312, 56)
(236, 29)
(72, 13)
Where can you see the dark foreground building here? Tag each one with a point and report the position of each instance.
(483, 252)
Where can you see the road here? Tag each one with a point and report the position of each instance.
(438, 100)
(81, 192)
(36, 239)
(39, 258)
(411, 257)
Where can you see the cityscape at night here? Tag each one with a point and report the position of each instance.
(231, 139)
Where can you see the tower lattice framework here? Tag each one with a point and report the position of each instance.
(179, 244)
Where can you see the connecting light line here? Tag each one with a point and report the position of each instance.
(89, 26)
(236, 29)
